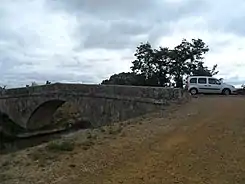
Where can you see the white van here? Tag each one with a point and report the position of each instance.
(204, 84)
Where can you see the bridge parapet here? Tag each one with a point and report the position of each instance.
(99, 90)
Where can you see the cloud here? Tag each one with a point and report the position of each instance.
(30, 36)
(87, 41)
(131, 9)
(123, 24)
(115, 34)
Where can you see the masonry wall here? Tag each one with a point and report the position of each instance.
(100, 90)
(98, 104)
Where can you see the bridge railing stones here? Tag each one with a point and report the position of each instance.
(146, 92)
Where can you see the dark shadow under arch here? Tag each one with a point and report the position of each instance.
(82, 124)
(8, 128)
(43, 114)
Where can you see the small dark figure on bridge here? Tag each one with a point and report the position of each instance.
(2, 90)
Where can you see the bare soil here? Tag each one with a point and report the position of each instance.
(199, 142)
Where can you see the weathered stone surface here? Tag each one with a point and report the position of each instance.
(33, 107)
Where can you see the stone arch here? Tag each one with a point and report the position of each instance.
(43, 114)
(8, 127)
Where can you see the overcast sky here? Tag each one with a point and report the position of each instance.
(89, 40)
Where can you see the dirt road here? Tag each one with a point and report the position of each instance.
(199, 142)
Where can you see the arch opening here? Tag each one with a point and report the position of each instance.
(70, 116)
(8, 127)
(43, 114)
(9, 130)
(55, 114)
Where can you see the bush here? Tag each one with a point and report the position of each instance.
(61, 146)
(115, 130)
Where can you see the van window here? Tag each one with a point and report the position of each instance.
(193, 80)
(202, 80)
(213, 81)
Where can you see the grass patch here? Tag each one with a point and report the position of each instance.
(87, 144)
(91, 135)
(115, 130)
(102, 129)
(5, 163)
(5, 177)
(48, 155)
(37, 155)
(41, 157)
(63, 146)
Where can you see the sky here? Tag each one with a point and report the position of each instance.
(86, 41)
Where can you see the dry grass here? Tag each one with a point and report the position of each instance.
(201, 142)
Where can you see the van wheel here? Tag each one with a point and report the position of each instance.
(193, 91)
(226, 92)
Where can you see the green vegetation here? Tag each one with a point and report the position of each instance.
(65, 145)
(164, 66)
(115, 130)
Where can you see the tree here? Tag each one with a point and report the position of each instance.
(152, 64)
(123, 78)
(157, 67)
(187, 59)
(204, 71)
(162, 62)
(143, 64)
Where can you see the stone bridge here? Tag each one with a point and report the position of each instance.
(33, 107)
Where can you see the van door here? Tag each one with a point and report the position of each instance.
(202, 85)
(214, 85)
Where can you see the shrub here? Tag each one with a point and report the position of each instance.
(61, 146)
